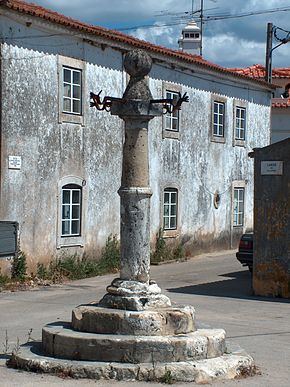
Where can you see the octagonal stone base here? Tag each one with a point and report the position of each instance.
(153, 344)
(152, 322)
(228, 366)
(60, 341)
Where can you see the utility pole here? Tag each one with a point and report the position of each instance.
(268, 75)
(269, 48)
(201, 25)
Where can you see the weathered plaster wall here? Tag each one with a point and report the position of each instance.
(271, 274)
(51, 150)
(198, 167)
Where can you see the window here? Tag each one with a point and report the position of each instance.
(240, 123)
(172, 119)
(72, 90)
(196, 35)
(238, 209)
(71, 210)
(186, 35)
(71, 77)
(218, 118)
(170, 209)
(171, 122)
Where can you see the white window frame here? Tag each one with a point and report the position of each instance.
(218, 128)
(238, 127)
(168, 131)
(73, 86)
(69, 208)
(172, 207)
(64, 240)
(77, 66)
(238, 206)
(218, 119)
(173, 117)
(240, 123)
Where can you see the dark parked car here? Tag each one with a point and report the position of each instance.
(245, 253)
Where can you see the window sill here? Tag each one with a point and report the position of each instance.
(218, 139)
(170, 234)
(171, 134)
(241, 143)
(71, 118)
(70, 242)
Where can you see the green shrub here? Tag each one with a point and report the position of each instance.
(167, 378)
(19, 266)
(178, 253)
(110, 256)
(163, 252)
(74, 267)
(41, 271)
(71, 267)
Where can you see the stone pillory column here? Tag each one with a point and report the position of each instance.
(135, 192)
(133, 290)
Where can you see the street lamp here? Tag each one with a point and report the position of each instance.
(270, 49)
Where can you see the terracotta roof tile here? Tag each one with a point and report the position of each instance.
(258, 71)
(281, 103)
(35, 10)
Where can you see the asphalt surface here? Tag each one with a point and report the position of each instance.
(215, 284)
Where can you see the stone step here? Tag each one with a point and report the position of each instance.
(59, 340)
(229, 366)
(160, 322)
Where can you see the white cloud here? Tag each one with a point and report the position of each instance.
(234, 42)
(227, 50)
(165, 36)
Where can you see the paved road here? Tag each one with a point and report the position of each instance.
(217, 286)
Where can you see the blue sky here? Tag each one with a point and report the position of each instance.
(233, 42)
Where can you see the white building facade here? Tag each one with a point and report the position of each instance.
(62, 187)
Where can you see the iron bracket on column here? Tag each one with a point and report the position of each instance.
(104, 104)
(170, 105)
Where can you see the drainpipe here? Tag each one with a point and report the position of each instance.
(1, 104)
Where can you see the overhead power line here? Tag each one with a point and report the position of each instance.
(245, 14)
(188, 16)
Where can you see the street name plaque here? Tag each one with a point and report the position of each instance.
(271, 167)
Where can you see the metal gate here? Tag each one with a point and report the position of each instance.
(8, 238)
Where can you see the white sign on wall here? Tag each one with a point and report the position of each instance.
(14, 162)
(271, 167)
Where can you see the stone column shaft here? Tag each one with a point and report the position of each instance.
(135, 196)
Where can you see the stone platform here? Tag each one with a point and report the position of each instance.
(147, 345)
(62, 342)
(229, 366)
(152, 322)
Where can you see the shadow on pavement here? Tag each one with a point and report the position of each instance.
(239, 285)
